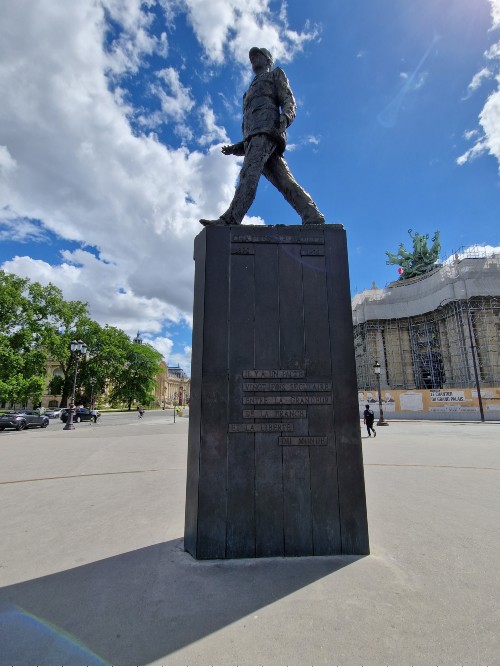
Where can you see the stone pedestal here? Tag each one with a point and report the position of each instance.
(274, 464)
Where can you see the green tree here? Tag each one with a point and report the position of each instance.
(22, 325)
(37, 323)
(108, 350)
(136, 380)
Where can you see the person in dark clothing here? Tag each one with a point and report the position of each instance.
(369, 418)
(268, 109)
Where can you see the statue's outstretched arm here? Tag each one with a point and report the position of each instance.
(234, 149)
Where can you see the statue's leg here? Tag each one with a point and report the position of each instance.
(257, 153)
(277, 172)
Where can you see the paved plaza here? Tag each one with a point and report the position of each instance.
(92, 567)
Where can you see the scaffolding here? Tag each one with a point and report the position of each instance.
(436, 348)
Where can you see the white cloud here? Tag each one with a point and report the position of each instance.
(176, 100)
(229, 28)
(495, 13)
(182, 359)
(7, 162)
(72, 164)
(489, 117)
(253, 220)
(81, 170)
(213, 132)
(478, 79)
(164, 346)
(478, 149)
(309, 140)
(20, 230)
(471, 134)
(126, 53)
(476, 250)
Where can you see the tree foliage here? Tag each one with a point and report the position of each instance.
(134, 383)
(37, 323)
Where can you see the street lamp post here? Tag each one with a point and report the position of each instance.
(381, 421)
(474, 365)
(92, 385)
(78, 348)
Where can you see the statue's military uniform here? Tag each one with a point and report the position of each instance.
(261, 107)
(268, 97)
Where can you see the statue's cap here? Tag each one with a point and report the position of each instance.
(265, 53)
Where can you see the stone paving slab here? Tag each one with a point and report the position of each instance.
(92, 569)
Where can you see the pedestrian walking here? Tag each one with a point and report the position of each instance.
(140, 411)
(369, 418)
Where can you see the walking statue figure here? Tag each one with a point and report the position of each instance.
(268, 110)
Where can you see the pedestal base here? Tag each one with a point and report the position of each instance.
(274, 465)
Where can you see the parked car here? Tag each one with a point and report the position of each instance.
(53, 413)
(81, 415)
(22, 420)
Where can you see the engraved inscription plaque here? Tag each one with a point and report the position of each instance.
(274, 414)
(286, 400)
(287, 386)
(261, 428)
(242, 250)
(304, 440)
(274, 455)
(312, 252)
(275, 374)
(276, 238)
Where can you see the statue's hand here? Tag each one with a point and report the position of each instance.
(234, 149)
(283, 123)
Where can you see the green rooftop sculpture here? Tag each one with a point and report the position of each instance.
(419, 262)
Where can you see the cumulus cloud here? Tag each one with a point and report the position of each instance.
(213, 132)
(78, 160)
(20, 230)
(478, 79)
(488, 139)
(7, 162)
(476, 250)
(309, 140)
(229, 28)
(495, 13)
(182, 359)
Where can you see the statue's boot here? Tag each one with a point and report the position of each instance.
(225, 219)
(220, 222)
(318, 219)
(308, 210)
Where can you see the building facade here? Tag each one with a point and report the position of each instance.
(172, 387)
(438, 334)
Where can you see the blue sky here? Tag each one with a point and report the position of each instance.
(114, 111)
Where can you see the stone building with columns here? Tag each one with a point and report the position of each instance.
(438, 333)
(173, 386)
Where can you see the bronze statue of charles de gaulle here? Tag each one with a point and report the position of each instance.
(269, 108)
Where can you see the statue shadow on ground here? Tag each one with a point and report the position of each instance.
(140, 606)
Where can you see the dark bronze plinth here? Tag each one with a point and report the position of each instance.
(274, 463)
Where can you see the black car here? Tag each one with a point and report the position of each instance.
(22, 420)
(81, 415)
